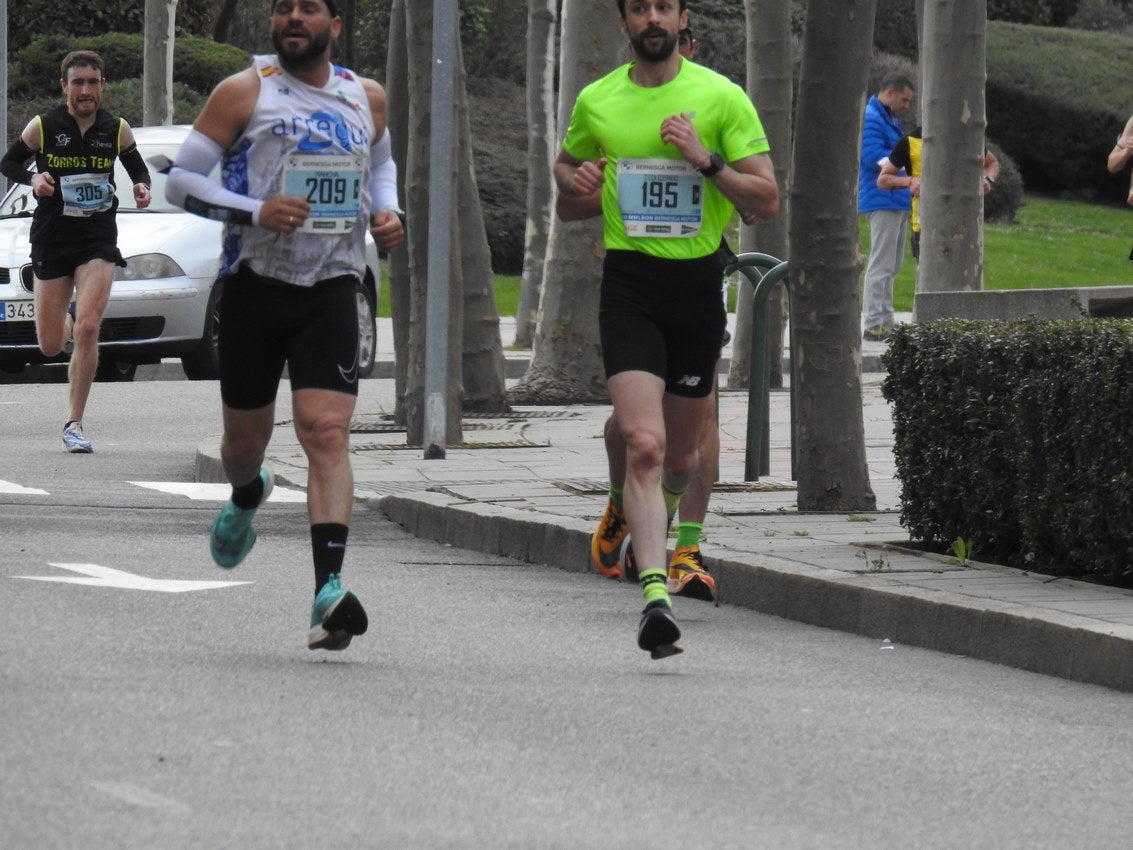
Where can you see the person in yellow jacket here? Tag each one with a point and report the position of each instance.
(902, 170)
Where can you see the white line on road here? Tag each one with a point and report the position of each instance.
(16, 489)
(99, 576)
(214, 492)
(141, 797)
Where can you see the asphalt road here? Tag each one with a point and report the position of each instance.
(491, 704)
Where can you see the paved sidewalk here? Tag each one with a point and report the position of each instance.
(532, 485)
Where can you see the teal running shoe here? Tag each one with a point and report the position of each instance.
(336, 617)
(232, 535)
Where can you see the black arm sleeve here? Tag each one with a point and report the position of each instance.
(14, 164)
(135, 165)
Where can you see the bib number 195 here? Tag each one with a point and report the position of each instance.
(657, 194)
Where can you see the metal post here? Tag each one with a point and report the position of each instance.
(440, 229)
(764, 271)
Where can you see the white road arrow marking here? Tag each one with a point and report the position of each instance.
(142, 797)
(215, 492)
(9, 487)
(99, 576)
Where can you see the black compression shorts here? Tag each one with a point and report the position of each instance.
(47, 263)
(266, 324)
(665, 317)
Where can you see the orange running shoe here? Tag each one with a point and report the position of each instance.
(606, 544)
(688, 577)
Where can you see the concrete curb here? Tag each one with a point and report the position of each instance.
(875, 606)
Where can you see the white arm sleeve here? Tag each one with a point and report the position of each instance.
(190, 188)
(383, 175)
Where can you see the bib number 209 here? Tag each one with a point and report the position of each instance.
(330, 190)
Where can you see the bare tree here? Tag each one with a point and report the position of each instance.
(243, 24)
(475, 354)
(825, 315)
(397, 93)
(566, 362)
(769, 85)
(540, 154)
(482, 355)
(157, 62)
(954, 126)
(225, 15)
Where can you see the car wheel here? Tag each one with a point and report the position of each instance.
(203, 362)
(367, 330)
(110, 369)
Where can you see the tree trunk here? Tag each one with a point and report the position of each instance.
(397, 93)
(157, 62)
(482, 356)
(419, 26)
(540, 154)
(222, 30)
(243, 25)
(826, 316)
(769, 75)
(344, 48)
(566, 362)
(954, 126)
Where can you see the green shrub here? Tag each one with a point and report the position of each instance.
(1017, 436)
(1002, 203)
(895, 28)
(91, 17)
(123, 98)
(1020, 11)
(1099, 15)
(201, 63)
(197, 62)
(1056, 100)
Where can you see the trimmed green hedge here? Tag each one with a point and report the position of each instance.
(1018, 436)
(1056, 101)
(198, 63)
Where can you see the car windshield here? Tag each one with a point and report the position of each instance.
(19, 199)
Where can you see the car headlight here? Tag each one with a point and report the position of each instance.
(148, 267)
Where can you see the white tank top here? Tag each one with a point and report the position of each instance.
(314, 142)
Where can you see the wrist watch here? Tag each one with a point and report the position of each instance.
(715, 165)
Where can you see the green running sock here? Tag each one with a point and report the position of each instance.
(672, 500)
(653, 586)
(616, 497)
(688, 533)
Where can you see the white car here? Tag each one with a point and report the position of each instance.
(164, 303)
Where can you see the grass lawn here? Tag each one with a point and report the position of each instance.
(1051, 243)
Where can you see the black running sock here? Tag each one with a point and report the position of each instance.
(328, 545)
(248, 496)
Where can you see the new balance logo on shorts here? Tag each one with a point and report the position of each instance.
(689, 380)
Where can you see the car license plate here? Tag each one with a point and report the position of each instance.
(17, 311)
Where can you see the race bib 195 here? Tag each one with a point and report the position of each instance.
(660, 197)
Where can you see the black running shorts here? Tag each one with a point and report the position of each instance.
(266, 324)
(665, 317)
(49, 264)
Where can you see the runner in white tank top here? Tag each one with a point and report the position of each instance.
(306, 171)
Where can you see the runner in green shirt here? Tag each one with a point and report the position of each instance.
(674, 148)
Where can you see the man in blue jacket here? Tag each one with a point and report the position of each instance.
(886, 209)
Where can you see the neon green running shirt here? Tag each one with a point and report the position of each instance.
(649, 188)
